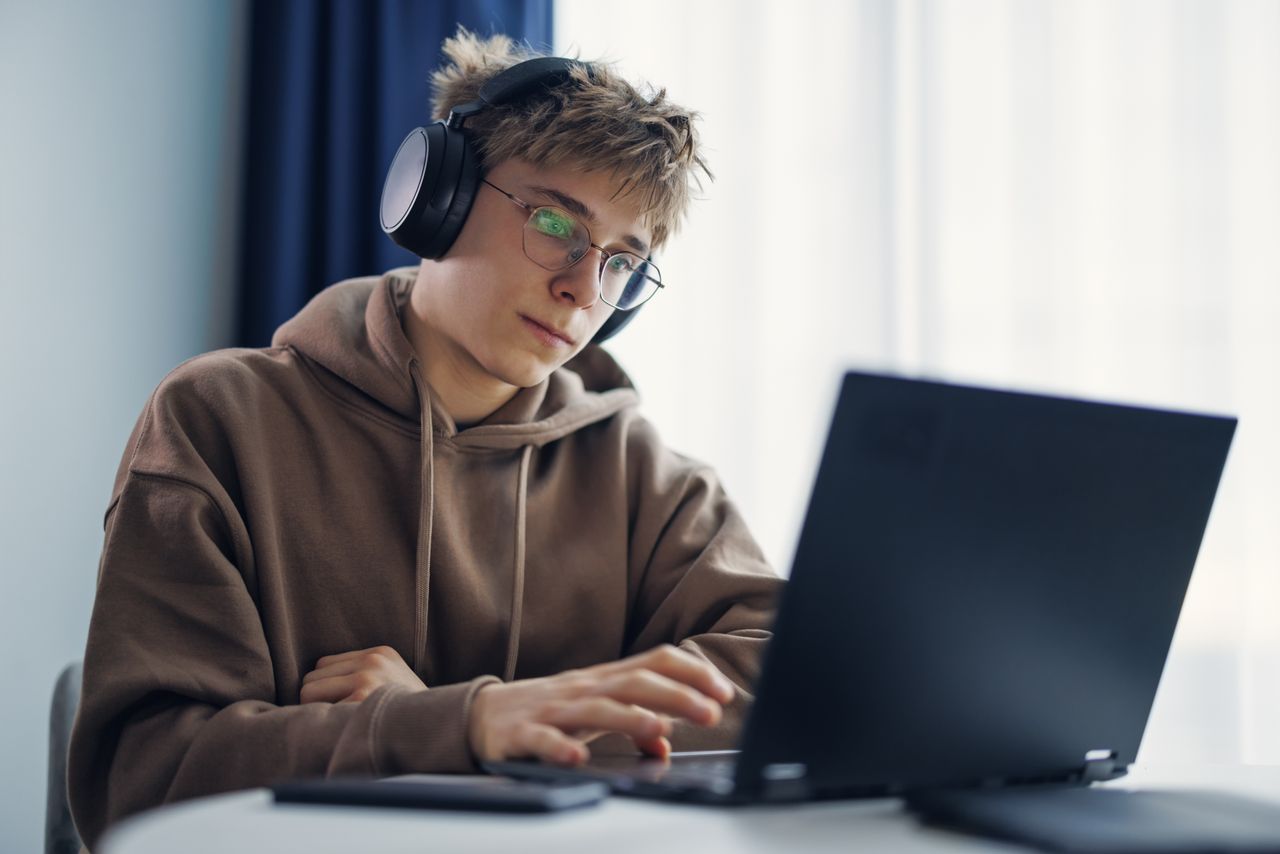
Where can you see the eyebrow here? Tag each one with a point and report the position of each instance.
(577, 208)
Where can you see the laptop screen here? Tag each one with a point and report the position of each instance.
(985, 587)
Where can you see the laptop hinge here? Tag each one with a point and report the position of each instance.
(1099, 765)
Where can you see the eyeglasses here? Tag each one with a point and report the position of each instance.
(555, 240)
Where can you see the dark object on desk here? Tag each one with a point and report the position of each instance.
(983, 594)
(1100, 820)
(477, 795)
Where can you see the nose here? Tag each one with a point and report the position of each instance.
(579, 284)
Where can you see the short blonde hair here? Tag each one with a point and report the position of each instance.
(596, 121)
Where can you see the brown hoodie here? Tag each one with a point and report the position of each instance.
(277, 505)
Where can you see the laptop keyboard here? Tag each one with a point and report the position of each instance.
(719, 768)
(713, 774)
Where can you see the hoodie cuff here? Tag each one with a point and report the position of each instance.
(425, 732)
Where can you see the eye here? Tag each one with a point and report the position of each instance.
(621, 264)
(552, 223)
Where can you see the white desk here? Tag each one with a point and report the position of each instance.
(248, 822)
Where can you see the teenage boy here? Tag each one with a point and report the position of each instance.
(428, 526)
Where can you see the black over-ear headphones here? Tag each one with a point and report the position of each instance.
(435, 174)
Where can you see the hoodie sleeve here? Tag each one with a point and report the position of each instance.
(179, 696)
(699, 578)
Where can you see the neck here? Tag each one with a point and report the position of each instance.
(462, 386)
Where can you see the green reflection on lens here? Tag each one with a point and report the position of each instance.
(552, 224)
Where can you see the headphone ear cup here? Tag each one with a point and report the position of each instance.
(465, 177)
(429, 190)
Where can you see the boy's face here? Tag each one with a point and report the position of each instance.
(485, 299)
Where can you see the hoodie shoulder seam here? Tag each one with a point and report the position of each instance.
(143, 474)
(181, 481)
(242, 549)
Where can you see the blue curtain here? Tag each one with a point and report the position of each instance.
(334, 86)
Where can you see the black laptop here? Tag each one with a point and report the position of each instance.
(983, 595)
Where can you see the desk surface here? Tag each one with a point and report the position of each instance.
(248, 822)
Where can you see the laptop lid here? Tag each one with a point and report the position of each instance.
(984, 591)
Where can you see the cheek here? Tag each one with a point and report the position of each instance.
(600, 312)
(458, 303)
(478, 279)
(598, 319)
(490, 273)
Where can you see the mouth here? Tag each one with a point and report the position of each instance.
(547, 334)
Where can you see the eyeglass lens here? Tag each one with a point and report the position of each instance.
(554, 240)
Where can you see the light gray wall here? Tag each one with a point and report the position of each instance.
(119, 146)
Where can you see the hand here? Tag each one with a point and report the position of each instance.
(554, 717)
(352, 676)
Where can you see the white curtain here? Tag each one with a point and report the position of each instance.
(1076, 197)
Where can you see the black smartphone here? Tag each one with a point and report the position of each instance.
(483, 794)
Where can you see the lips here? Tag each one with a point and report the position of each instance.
(552, 330)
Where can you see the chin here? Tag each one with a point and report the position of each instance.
(523, 371)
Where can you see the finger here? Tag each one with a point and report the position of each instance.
(338, 668)
(677, 664)
(604, 713)
(658, 748)
(333, 690)
(547, 743)
(383, 650)
(661, 694)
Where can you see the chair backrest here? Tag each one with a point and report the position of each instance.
(60, 835)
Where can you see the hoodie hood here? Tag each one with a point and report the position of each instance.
(354, 330)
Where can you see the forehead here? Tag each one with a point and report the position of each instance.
(598, 198)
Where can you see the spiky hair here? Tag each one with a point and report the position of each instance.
(595, 121)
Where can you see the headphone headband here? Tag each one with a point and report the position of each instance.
(523, 78)
(516, 82)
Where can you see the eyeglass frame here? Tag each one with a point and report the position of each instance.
(605, 254)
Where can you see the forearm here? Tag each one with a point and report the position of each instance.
(174, 748)
(181, 696)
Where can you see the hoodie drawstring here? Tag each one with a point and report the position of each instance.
(517, 593)
(425, 516)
